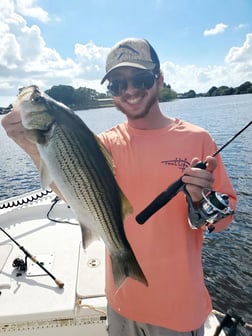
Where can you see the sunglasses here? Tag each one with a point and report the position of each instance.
(117, 87)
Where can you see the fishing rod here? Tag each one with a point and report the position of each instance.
(230, 321)
(177, 186)
(59, 283)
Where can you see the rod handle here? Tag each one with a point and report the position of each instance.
(59, 283)
(164, 197)
(159, 201)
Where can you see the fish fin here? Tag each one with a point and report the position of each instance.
(106, 154)
(125, 265)
(126, 206)
(88, 236)
(45, 176)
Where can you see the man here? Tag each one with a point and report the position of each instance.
(150, 151)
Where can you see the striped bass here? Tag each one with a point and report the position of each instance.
(75, 160)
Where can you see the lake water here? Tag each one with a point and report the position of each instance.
(226, 255)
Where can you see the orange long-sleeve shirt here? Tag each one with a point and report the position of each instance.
(168, 250)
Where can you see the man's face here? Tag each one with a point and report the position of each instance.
(135, 91)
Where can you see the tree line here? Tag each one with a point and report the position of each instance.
(223, 90)
(77, 99)
(85, 98)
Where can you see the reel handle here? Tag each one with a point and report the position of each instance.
(164, 197)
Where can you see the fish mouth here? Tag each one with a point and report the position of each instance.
(31, 94)
(27, 93)
(33, 108)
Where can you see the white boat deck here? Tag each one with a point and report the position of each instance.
(32, 301)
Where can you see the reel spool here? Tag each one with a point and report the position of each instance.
(213, 207)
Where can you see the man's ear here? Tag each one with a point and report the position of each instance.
(160, 81)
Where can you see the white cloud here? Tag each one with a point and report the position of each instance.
(237, 69)
(24, 56)
(218, 29)
(241, 26)
(187, 77)
(27, 8)
(239, 59)
(241, 54)
(10, 54)
(91, 59)
(6, 7)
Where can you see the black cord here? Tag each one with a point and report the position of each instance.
(54, 202)
(26, 200)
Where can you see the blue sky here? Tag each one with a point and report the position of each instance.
(200, 43)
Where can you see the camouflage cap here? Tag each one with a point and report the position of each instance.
(132, 52)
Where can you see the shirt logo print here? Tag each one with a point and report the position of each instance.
(178, 162)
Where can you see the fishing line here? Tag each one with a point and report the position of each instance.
(177, 186)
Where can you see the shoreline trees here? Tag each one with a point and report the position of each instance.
(85, 98)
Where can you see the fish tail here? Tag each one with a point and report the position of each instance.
(125, 265)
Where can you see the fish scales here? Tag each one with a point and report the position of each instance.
(85, 185)
(68, 154)
(80, 166)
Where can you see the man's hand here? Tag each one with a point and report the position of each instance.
(196, 179)
(12, 124)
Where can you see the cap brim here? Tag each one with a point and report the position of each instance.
(128, 64)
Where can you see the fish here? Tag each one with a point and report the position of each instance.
(75, 160)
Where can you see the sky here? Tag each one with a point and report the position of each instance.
(200, 43)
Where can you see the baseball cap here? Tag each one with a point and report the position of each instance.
(132, 52)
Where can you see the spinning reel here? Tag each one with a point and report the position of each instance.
(213, 207)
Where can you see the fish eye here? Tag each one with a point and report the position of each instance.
(37, 99)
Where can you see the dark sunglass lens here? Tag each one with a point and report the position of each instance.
(144, 81)
(149, 81)
(117, 87)
(141, 81)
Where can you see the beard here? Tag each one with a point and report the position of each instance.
(152, 100)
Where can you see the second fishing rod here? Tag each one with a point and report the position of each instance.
(59, 283)
(177, 186)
